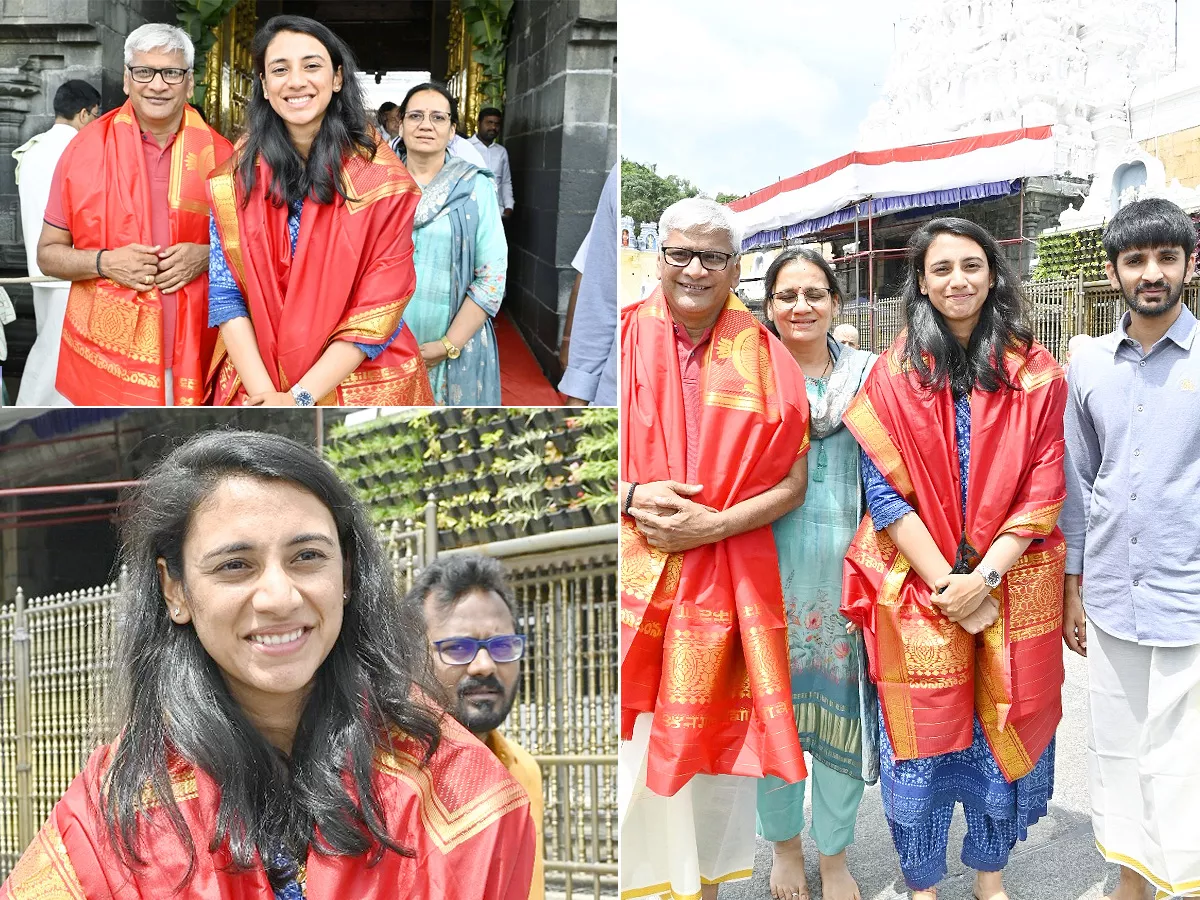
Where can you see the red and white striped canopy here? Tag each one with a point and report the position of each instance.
(922, 168)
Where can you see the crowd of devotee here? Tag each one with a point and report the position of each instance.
(842, 569)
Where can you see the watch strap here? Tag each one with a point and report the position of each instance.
(990, 576)
(302, 396)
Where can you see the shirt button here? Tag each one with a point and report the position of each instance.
(1135, 584)
(1139, 407)
(1133, 496)
(1142, 364)
(1137, 452)
(1133, 540)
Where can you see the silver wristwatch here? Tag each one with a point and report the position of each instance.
(302, 396)
(990, 577)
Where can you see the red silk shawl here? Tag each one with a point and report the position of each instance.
(350, 279)
(931, 674)
(464, 816)
(703, 633)
(112, 350)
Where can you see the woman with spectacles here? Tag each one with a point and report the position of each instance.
(461, 254)
(832, 697)
(956, 573)
(311, 249)
(273, 733)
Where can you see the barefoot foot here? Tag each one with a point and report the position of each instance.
(1132, 886)
(990, 886)
(787, 871)
(836, 881)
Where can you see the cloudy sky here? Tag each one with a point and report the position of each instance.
(733, 95)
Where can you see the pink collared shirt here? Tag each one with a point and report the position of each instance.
(158, 167)
(690, 355)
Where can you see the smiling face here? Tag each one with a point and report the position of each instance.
(694, 294)
(957, 280)
(300, 80)
(426, 136)
(480, 693)
(1151, 279)
(808, 319)
(262, 585)
(158, 103)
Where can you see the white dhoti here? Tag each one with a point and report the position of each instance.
(41, 368)
(1144, 759)
(670, 846)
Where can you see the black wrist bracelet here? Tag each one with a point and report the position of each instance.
(99, 274)
(629, 498)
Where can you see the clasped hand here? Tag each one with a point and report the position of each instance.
(141, 267)
(967, 600)
(670, 520)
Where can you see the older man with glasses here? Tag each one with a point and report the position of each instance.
(467, 608)
(715, 428)
(127, 224)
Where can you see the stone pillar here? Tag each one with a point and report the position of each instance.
(560, 132)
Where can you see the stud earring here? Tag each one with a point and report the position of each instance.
(176, 612)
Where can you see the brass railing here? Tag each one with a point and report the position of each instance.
(55, 654)
(1059, 310)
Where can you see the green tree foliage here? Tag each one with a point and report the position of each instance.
(728, 198)
(488, 22)
(645, 193)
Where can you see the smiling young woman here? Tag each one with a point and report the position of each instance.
(311, 254)
(275, 736)
(965, 406)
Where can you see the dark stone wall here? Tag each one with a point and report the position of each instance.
(560, 130)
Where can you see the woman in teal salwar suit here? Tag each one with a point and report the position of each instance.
(833, 699)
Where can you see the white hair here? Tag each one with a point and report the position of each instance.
(159, 36)
(700, 214)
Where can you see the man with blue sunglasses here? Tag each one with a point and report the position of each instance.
(476, 652)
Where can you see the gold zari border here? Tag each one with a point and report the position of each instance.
(450, 828)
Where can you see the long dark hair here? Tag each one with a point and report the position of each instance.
(344, 129)
(1002, 322)
(791, 255)
(437, 87)
(173, 701)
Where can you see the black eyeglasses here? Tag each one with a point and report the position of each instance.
(145, 74)
(461, 651)
(681, 257)
(415, 118)
(812, 296)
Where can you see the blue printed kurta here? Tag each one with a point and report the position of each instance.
(919, 794)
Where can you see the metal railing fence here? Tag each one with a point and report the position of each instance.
(56, 652)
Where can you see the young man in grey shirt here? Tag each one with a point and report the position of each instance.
(1131, 521)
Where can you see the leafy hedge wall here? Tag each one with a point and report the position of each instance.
(495, 473)
(1064, 255)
